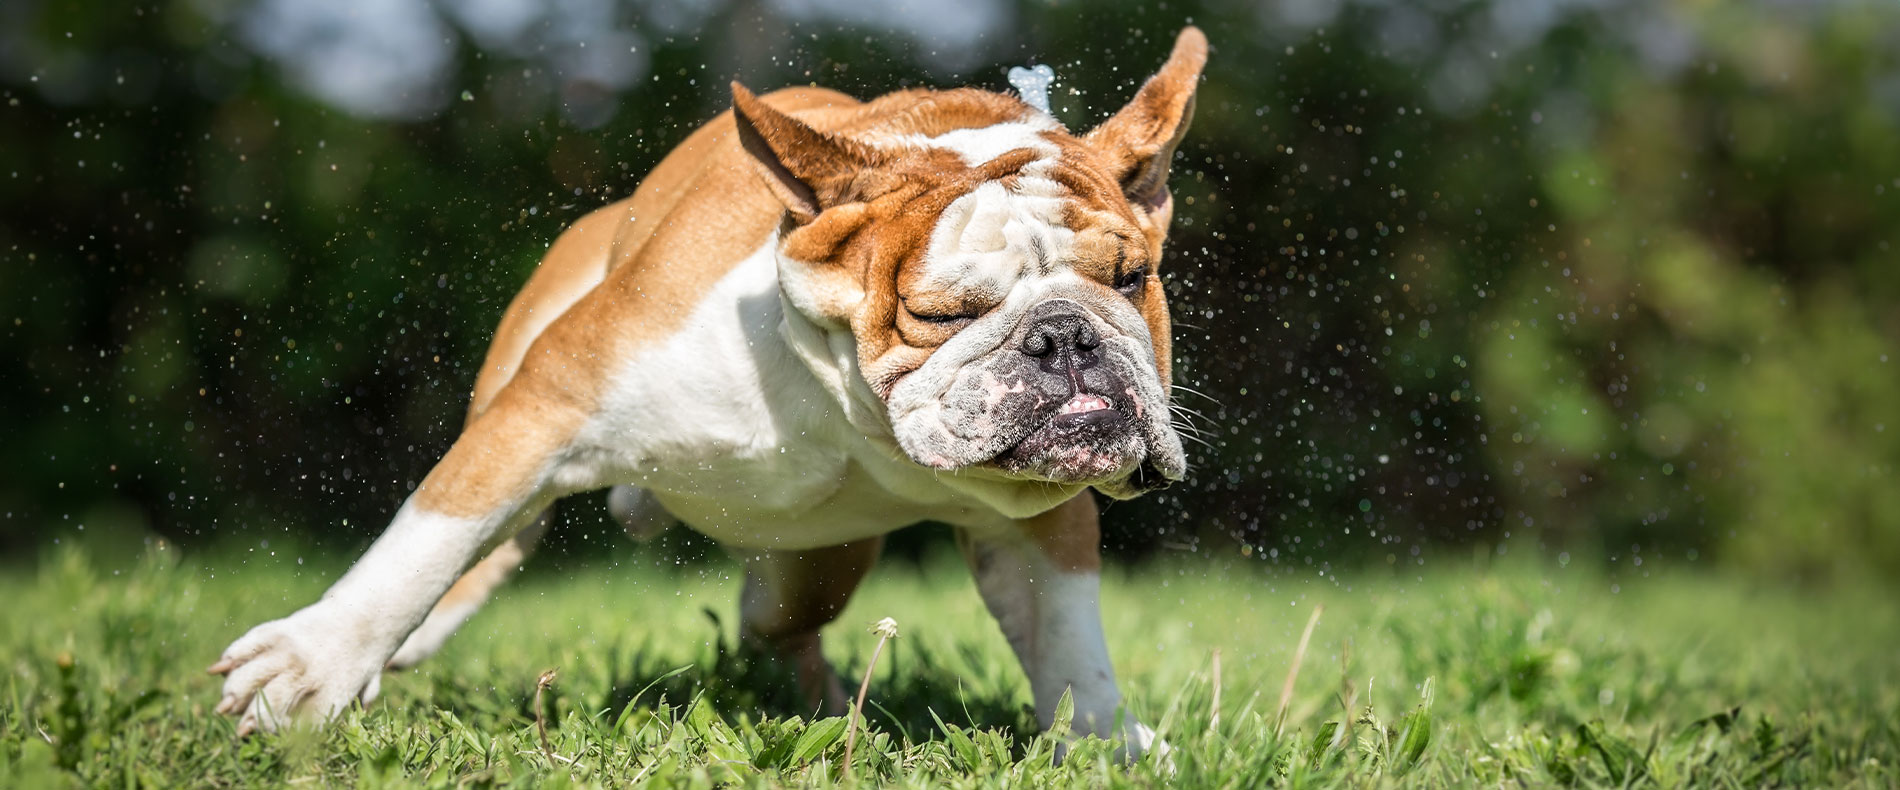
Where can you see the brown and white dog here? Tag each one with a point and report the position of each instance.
(817, 321)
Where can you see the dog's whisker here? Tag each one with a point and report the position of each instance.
(1198, 440)
(1192, 419)
(1185, 411)
(1192, 391)
(1189, 429)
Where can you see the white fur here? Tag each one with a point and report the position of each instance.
(444, 620)
(984, 239)
(983, 144)
(983, 243)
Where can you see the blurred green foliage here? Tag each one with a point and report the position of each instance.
(1614, 275)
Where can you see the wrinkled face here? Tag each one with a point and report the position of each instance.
(995, 275)
(1027, 331)
(1001, 290)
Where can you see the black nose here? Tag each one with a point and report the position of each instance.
(1062, 339)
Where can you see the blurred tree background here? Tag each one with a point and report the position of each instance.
(1606, 276)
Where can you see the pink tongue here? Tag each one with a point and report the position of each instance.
(1084, 403)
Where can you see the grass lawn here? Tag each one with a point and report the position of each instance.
(1449, 674)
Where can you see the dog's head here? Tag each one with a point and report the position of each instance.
(998, 276)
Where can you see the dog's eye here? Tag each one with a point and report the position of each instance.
(948, 320)
(1130, 282)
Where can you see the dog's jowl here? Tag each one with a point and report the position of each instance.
(817, 321)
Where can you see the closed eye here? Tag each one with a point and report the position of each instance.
(1129, 284)
(941, 319)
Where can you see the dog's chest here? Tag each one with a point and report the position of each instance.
(738, 437)
(849, 507)
(753, 484)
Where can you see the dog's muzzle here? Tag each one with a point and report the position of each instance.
(1083, 428)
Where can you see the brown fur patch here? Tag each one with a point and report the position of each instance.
(499, 460)
(573, 266)
(789, 593)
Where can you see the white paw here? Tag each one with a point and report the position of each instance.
(1139, 740)
(1133, 742)
(305, 666)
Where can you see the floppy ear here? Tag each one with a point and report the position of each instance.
(808, 170)
(1140, 139)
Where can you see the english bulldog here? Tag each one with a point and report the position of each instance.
(817, 321)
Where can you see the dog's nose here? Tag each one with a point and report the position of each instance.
(1062, 339)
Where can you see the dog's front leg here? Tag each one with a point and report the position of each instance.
(1042, 582)
(314, 662)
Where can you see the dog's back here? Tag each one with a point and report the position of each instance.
(612, 239)
(703, 199)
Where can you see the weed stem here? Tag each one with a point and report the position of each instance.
(886, 630)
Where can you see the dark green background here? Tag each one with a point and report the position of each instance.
(1613, 278)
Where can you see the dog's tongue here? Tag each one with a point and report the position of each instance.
(1084, 402)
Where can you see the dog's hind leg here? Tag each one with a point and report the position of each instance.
(639, 513)
(469, 593)
(788, 596)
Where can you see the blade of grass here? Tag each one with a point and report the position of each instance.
(1293, 672)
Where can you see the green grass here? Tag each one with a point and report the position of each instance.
(1460, 674)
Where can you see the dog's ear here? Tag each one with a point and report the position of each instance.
(1140, 139)
(808, 170)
